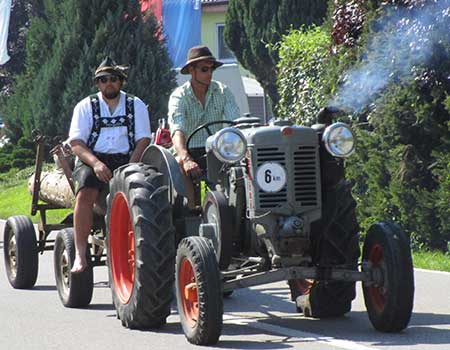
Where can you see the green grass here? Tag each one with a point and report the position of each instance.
(15, 199)
(432, 260)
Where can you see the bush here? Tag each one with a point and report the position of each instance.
(4, 166)
(19, 163)
(303, 54)
(402, 164)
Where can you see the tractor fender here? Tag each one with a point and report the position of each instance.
(164, 161)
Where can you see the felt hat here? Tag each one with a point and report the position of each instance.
(199, 53)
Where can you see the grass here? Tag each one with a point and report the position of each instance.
(432, 260)
(15, 199)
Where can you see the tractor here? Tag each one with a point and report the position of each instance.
(273, 205)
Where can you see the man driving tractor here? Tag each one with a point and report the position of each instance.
(198, 101)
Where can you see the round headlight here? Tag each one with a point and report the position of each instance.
(229, 145)
(339, 140)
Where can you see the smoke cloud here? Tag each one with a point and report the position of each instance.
(404, 39)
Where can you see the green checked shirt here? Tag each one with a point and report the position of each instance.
(186, 112)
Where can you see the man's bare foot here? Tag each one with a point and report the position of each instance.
(79, 264)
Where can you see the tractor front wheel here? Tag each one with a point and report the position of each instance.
(199, 291)
(389, 300)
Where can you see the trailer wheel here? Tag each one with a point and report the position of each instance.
(389, 301)
(199, 291)
(141, 246)
(21, 252)
(75, 289)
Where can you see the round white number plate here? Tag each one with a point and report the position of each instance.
(271, 177)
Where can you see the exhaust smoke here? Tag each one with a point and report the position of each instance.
(404, 39)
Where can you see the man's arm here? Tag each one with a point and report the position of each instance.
(140, 147)
(80, 149)
(183, 157)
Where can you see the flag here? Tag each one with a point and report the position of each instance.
(181, 24)
(5, 12)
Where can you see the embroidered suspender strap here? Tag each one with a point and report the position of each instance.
(129, 112)
(96, 122)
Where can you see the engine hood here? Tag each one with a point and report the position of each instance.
(276, 135)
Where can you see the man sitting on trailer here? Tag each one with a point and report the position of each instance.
(108, 129)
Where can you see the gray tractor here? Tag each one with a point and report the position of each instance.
(274, 206)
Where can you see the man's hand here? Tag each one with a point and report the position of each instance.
(191, 168)
(102, 172)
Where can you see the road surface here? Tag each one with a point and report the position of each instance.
(258, 318)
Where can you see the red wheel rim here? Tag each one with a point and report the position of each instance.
(189, 292)
(121, 238)
(378, 292)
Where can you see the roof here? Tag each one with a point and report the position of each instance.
(214, 2)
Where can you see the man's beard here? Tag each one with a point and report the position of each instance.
(110, 95)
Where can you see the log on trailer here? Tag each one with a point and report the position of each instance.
(54, 189)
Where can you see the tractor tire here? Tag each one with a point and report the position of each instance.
(199, 291)
(75, 289)
(389, 303)
(216, 211)
(335, 242)
(141, 246)
(21, 252)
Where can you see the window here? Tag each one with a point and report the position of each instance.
(224, 52)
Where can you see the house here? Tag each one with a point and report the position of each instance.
(210, 15)
(213, 24)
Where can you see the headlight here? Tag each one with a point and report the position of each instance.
(229, 145)
(339, 140)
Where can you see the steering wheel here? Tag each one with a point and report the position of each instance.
(208, 130)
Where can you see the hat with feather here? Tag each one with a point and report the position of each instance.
(109, 67)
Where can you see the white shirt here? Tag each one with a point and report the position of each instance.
(110, 140)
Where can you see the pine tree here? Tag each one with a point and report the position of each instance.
(66, 45)
(253, 26)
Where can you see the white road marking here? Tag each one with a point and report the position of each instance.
(293, 333)
(434, 271)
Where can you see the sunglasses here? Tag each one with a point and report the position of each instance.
(112, 79)
(206, 69)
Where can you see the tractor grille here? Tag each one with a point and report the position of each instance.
(304, 177)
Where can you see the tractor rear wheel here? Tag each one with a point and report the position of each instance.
(21, 252)
(335, 243)
(141, 246)
(217, 212)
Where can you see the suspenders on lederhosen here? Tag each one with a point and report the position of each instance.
(102, 122)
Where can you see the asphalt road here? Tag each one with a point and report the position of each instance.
(256, 318)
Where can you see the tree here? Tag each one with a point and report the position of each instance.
(254, 26)
(66, 45)
(21, 11)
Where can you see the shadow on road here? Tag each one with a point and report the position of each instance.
(44, 288)
(101, 307)
(277, 309)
